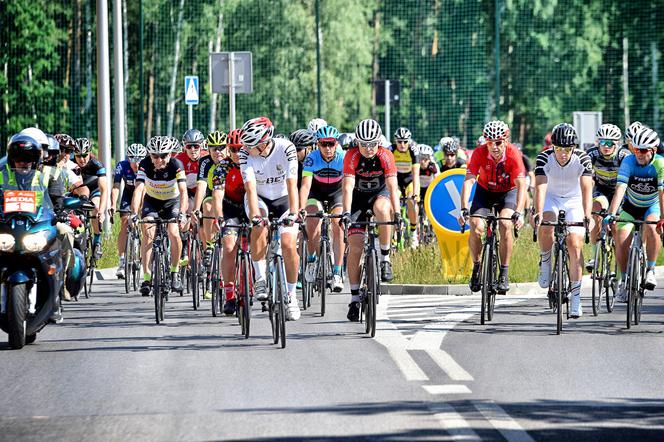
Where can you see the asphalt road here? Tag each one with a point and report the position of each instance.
(432, 373)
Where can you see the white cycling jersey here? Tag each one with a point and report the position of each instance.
(271, 172)
(563, 181)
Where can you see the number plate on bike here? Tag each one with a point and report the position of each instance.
(20, 201)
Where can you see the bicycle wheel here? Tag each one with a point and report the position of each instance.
(136, 265)
(491, 299)
(631, 284)
(129, 261)
(156, 285)
(485, 281)
(91, 276)
(324, 269)
(194, 274)
(598, 277)
(375, 293)
(610, 281)
(214, 282)
(559, 291)
(244, 295)
(282, 299)
(638, 301)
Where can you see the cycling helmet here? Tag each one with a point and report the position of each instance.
(193, 136)
(496, 130)
(347, 141)
(564, 135)
(217, 138)
(632, 129)
(257, 130)
(402, 134)
(425, 150)
(176, 146)
(327, 132)
(481, 140)
(281, 136)
(160, 145)
(136, 150)
(83, 146)
(609, 132)
(36, 134)
(316, 124)
(233, 138)
(645, 138)
(448, 145)
(302, 138)
(368, 130)
(66, 142)
(25, 149)
(382, 142)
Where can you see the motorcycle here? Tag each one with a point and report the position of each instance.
(31, 262)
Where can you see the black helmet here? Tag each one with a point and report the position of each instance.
(564, 135)
(25, 149)
(347, 140)
(302, 138)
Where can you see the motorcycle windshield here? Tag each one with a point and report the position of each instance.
(23, 192)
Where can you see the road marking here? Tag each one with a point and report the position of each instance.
(447, 389)
(502, 422)
(452, 422)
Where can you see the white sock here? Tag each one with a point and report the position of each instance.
(575, 288)
(546, 256)
(290, 287)
(259, 268)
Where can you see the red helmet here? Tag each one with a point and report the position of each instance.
(257, 130)
(234, 138)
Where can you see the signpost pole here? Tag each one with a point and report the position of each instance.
(387, 109)
(190, 116)
(231, 90)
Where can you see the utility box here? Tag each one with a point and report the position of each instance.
(586, 124)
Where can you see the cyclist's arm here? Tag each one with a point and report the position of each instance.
(393, 187)
(217, 202)
(618, 197)
(252, 198)
(305, 188)
(466, 188)
(416, 179)
(200, 193)
(661, 203)
(293, 195)
(184, 196)
(587, 194)
(347, 186)
(115, 192)
(541, 183)
(521, 191)
(437, 172)
(103, 187)
(137, 198)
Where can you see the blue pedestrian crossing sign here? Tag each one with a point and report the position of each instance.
(443, 200)
(191, 89)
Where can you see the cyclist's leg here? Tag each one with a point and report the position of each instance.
(411, 209)
(149, 212)
(382, 208)
(337, 239)
(505, 209)
(355, 249)
(125, 205)
(600, 202)
(653, 244)
(545, 235)
(623, 237)
(313, 227)
(95, 199)
(209, 227)
(259, 244)
(481, 205)
(574, 213)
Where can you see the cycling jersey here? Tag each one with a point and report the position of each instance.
(93, 168)
(369, 173)
(563, 180)
(457, 164)
(124, 172)
(227, 177)
(161, 184)
(326, 175)
(606, 169)
(427, 174)
(404, 162)
(496, 176)
(206, 168)
(190, 168)
(270, 172)
(643, 182)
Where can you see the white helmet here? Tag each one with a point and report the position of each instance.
(160, 145)
(632, 129)
(136, 150)
(496, 130)
(402, 134)
(257, 130)
(645, 138)
(368, 130)
(37, 134)
(382, 142)
(609, 132)
(316, 124)
(425, 150)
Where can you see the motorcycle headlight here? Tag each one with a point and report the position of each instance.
(7, 242)
(35, 242)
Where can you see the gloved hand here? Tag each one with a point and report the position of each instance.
(463, 216)
(608, 219)
(397, 219)
(257, 220)
(345, 219)
(290, 219)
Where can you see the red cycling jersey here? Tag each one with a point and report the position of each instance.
(497, 176)
(190, 170)
(369, 173)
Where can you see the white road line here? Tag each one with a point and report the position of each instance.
(452, 422)
(502, 422)
(447, 389)
(449, 365)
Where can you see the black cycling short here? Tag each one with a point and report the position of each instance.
(484, 201)
(404, 180)
(164, 209)
(363, 201)
(333, 199)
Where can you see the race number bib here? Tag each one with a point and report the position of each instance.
(20, 201)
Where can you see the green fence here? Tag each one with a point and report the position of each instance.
(459, 63)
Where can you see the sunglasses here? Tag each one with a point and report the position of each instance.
(134, 159)
(402, 141)
(562, 148)
(450, 155)
(161, 156)
(607, 143)
(192, 146)
(642, 151)
(368, 144)
(495, 142)
(82, 155)
(327, 143)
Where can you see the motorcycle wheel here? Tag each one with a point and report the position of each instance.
(17, 310)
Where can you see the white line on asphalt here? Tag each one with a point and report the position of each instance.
(452, 422)
(502, 422)
(447, 389)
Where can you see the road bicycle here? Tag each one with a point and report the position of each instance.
(604, 270)
(160, 265)
(132, 263)
(425, 232)
(243, 276)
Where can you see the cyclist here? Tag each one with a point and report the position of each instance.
(304, 141)
(449, 149)
(630, 131)
(321, 184)
(66, 166)
(640, 190)
(269, 172)
(498, 169)
(160, 192)
(94, 187)
(563, 178)
(406, 158)
(125, 171)
(370, 182)
(346, 141)
(228, 198)
(606, 157)
(315, 124)
(428, 167)
(193, 142)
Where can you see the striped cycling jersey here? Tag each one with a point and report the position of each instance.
(643, 182)
(563, 180)
(161, 184)
(605, 170)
